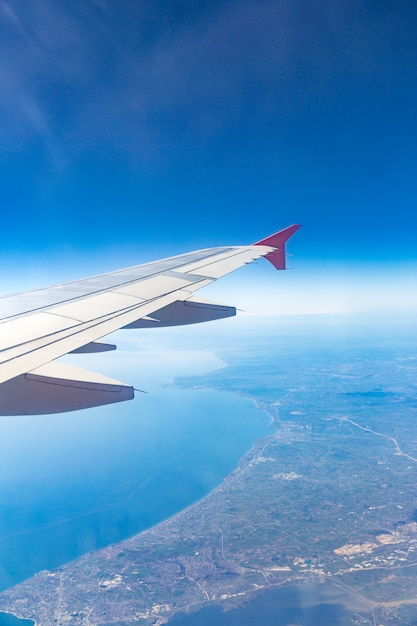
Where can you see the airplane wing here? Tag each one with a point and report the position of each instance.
(38, 327)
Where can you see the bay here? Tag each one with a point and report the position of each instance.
(309, 605)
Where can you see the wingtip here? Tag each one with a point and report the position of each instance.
(277, 240)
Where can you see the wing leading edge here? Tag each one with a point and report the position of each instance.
(40, 326)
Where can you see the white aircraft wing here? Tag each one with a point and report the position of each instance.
(38, 327)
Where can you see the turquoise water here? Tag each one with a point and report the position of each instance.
(6, 619)
(76, 482)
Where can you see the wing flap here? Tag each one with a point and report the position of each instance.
(93, 347)
(183, 312)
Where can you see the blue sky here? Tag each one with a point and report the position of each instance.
(135, 130)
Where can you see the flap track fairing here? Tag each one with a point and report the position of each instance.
(183, 312)
(57, 388)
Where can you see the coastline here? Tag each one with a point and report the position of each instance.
(33, 622)
(162, 527)
(280, 468)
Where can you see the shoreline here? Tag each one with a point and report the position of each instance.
(27, 619)
(242, 464)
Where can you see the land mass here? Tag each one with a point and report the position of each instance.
(327, 497)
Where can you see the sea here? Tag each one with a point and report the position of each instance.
(75, 482)
(7, 619)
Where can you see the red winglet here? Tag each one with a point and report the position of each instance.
(277, 240)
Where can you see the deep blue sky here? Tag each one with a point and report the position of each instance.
(138, 129)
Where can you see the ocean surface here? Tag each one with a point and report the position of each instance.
(6, 619)
(75, 482)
